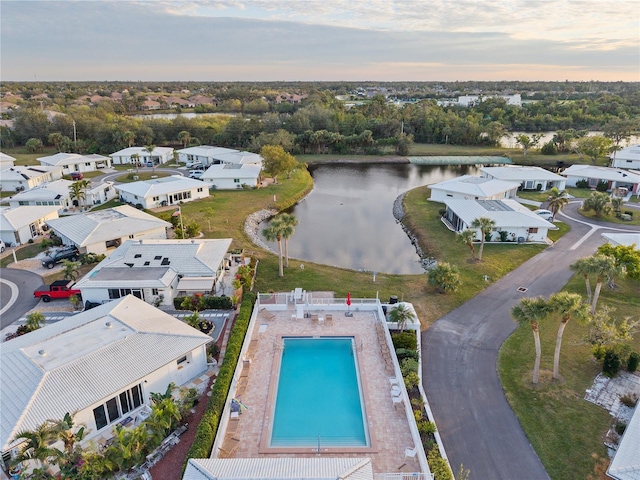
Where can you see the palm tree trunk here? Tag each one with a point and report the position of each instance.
(286, 252)
(596, 294)
(586, 280)
(481, 247)
(536, 366)
(556, 355)
(280, 271)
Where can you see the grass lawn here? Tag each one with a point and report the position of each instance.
(564, 429)
(86, 175)
(611, 218)
(128, 178)
(24, 157)
(555, 235)
(28, 250)
(579, 192)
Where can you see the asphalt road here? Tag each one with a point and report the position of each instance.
(26, 282)
(460, 351)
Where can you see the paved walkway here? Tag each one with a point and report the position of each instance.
(460, 353)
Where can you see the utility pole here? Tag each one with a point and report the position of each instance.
(75, 139)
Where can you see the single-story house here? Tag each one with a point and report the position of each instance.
(100, 365)
(615, 177)
(20, 178)
(625, 464)
(521, 224)
(97, 231)
(158, 270)
(159, 155)
(52, 193)
(279, 468)
(58, 193)
(626, 239)
(232, 176)
(627, 158)
(6, 161)
(210, 155)
(473, 188)
(73, 162)
(163, 191)
(530, 178)
(18, 225)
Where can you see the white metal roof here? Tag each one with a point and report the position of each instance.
(47, 191)
(219, 170)
(475, 186)
(190, 258)
(81, 360)
(240, 158)
(127, 152)
(160, 186)
(626, 462)
(506, 213)
(281, 468)
(104, 225)
(62, 159)
(629, 153)
(521, 173)
(602, 173)
(15, 218)
(22, 173)
(626, 239)
(206, 151)
(6, 158)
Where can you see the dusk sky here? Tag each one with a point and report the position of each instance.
(288, 40)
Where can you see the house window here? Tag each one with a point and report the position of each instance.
(22, 202)
(155, 199)
(117, 407)
(154, 291)
(182, 360)
(236, 180)
(533, 230)
(200, 190)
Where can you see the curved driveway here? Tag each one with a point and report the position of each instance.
(460, 351)
(17, 287)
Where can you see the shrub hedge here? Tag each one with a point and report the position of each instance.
(206, 302)
(206, 433)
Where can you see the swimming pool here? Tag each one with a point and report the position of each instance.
(318, 401)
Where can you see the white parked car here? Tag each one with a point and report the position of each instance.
(195, 174)
(546, 214)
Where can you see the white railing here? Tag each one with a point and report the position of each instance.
(403, 476)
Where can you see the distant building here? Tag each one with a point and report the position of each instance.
(18, 225)
(6, 161)
(159, 155)
(473, 188)
(627, 158)
(210, 155)
(72, 162)
(21, 178)
(614, 177)
(530, 178)
(164, 191)
(232, 176)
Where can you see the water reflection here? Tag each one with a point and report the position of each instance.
(347, 220)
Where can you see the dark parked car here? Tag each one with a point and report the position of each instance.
(76, 176)
(64, 253)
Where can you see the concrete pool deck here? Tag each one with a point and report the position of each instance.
(246, 436)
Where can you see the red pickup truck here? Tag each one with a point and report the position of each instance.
(58, 289)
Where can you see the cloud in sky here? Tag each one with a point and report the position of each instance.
(268, 40)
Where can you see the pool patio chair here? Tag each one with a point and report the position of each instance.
(393, 381)
(267, 314)
(396, 400)
(328, 318)
(228, 447)
(315, 319)
(410, 452)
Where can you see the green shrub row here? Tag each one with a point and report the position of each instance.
(438, 465)
(206, 433)
(205, 302)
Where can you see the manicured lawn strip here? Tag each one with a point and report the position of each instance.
(563, 428)
(612, 218)
(208, 426)
(579, 192)
(555, 235)
(128, 178)
(28, 250)
(533, 195)
(114, 202)
(86, 175)
(24, 157)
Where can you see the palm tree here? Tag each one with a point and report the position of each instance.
(136, 159)
(36, 445)
(557, 201)
(467, 236)
(35, 320)
(568, 305)
(401, 314)
(76, 192)
(604, 266)
(289, 221)
(585, 267)
(149, 149)
(485, 225)
(274, 232)
(184, 137)
(531, 311)
(70, 269)
(599, 202)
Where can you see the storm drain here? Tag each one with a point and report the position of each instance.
(522, 289)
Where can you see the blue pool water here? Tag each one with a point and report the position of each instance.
(318, 398)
